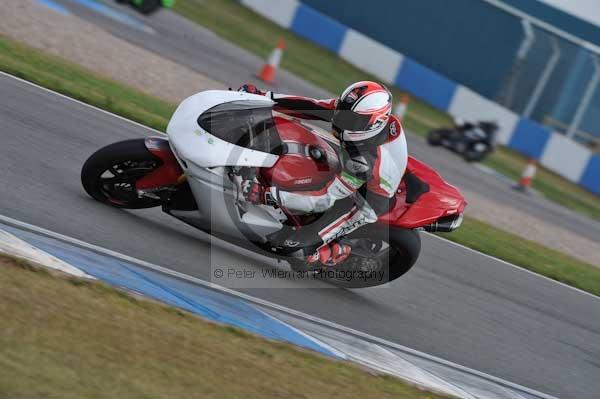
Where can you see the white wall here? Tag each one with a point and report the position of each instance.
(566, 157)
(281, 12)
(371, 56)
(471, 106)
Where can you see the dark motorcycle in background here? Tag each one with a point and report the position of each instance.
(148, 6)
(473, 141)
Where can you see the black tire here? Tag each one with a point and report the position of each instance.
(149, 6)
(404, 252)
(470, 155)
(434, 137)
(115, 191)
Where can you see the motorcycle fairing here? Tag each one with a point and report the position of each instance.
(204, 156)
(168, 174)
(307, 162)
(201, 148)
(442, 199)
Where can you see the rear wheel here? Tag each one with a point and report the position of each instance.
(379, 255)
(473, 155)
(109, 175)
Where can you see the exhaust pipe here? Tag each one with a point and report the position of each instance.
(445, 224)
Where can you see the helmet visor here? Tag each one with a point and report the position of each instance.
(349, 120)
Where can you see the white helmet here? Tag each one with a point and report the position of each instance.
(362, 112)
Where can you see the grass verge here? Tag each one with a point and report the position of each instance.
(59, 75)
(528, 254)
(74, 81)
(239, 25)
(67, 338)
(551, 185)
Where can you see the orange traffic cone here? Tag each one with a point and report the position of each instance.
(527, 176)
(402, 106)
(269, 70)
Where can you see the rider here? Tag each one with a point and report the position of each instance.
(374, 157)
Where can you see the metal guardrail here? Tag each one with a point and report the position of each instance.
(592, 141)
(536, 30)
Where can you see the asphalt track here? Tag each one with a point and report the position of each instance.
(186, 43)
(455, 304)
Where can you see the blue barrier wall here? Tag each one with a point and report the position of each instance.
(440, 34)
(318, 28)
(553, 150)
(474, 44)
(591, 176)
(425, 83)
(530, 138)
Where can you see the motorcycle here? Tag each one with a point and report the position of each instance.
(217, 139)
(148, 6)
(474, 141)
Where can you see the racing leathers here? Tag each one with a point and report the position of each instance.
(364, 188)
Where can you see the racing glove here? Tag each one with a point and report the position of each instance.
(250, 88)
(257, 194)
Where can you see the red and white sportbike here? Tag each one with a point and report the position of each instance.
(217, 139)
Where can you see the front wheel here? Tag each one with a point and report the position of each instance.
(379, 255)
(109, 175)
(473, 155)
(434, 137)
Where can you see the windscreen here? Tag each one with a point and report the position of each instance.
(247, 124)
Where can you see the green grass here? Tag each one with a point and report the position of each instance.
(66, 338)
(77, 82)
(528, 254)
(239, 25)
(72, 80)
(552, 186)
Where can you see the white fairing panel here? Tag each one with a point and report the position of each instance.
(394, 157)
(194, 144)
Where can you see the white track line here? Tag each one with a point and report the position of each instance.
(79, 102)
(514, 266)
(13, 246)
(159, 132)
(266, 304)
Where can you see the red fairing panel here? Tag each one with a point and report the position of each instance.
(443, 199)
(165, 175)
(297, 170)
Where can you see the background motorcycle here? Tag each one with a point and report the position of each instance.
(471, 140)
(148, 6)
(217, 139)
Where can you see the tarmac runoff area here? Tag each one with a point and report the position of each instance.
(455, 304)
(175, 58)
